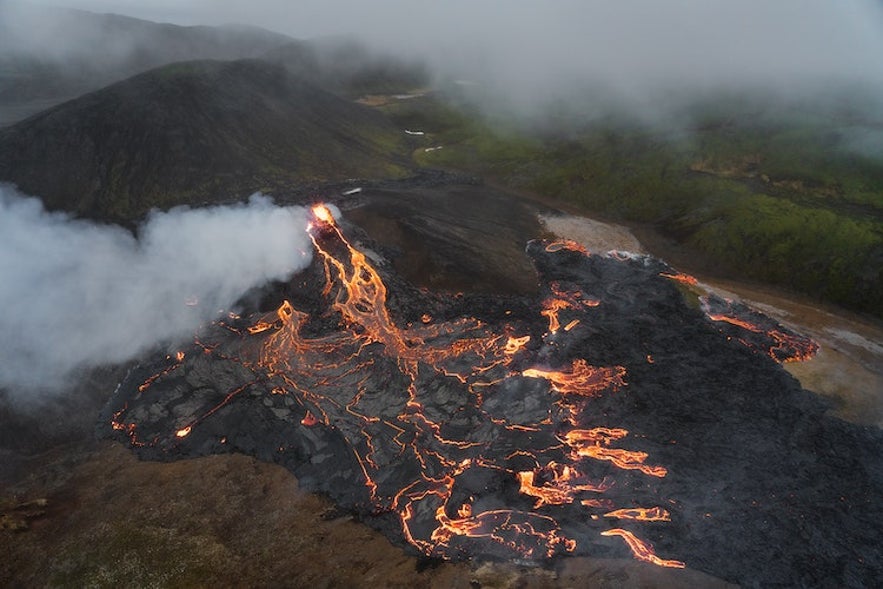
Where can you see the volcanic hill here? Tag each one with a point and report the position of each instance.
(191, 133)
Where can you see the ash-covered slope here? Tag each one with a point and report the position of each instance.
(605, 416)
(193, 132)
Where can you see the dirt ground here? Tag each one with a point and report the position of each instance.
(228, 521)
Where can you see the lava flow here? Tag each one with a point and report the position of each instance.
(476, 437)
(591, 418)
(478, 356)
(758, 331)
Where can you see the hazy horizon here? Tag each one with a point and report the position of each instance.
(641, 53)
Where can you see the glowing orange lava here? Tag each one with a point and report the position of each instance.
(783, 345)
(581, 379)
(322, 376)
(561, 484)
(566, 244)
(642, 550)
(562, 300)
(323, 213)
(594, 443)
(679, 277)
(653, 514)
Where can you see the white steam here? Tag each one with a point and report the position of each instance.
(77, 294)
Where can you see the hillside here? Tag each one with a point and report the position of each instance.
(194, 132)
(347, 67)
(49, 55)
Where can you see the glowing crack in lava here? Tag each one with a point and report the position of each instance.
(467, 436)
(473, 354)
(756, 330)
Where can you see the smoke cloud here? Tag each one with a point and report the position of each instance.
(75, 294)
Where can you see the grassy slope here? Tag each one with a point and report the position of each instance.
(781, 200)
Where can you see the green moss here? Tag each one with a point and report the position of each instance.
(809, 249)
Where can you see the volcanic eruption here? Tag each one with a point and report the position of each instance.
(575, 421)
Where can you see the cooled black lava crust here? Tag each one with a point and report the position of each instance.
(763, 488)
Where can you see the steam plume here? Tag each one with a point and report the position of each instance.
(76, 294)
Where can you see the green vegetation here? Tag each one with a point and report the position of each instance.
(780, 199)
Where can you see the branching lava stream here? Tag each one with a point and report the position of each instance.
(470, 437)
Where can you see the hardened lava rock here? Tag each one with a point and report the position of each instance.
(608, 415)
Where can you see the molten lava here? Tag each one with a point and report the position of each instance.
(642, 550)
(592, 417)
(447, 425)
(758, 331)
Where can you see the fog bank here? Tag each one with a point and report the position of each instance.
(525, 54)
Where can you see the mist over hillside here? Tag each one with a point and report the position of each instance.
(51, 54)
(646, 57)
(350, 68)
